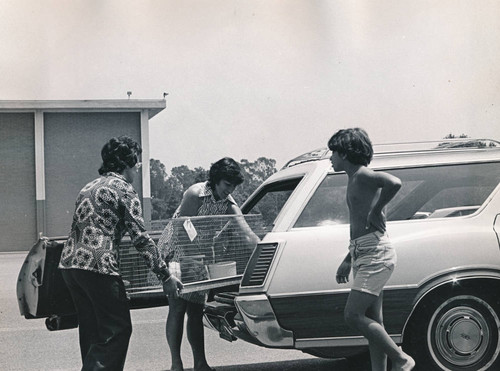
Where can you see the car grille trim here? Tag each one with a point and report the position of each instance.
(259, 265)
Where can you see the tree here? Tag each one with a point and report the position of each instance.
(158, 177)
(453, 136)
(188, 177)
(167, 190)
(255, 173)
(159, 190)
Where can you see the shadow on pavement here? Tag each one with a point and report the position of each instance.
(299, 365)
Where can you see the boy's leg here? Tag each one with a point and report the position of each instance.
(355, 316)
(377, 355)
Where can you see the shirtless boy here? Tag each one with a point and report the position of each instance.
(371, 254)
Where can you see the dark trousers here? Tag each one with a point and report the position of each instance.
(103, 318)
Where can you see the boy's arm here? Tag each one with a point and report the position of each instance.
(344, 270)
(389, 185)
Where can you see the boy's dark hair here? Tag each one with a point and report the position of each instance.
(118, 153)
(227, 169)
(354, 143)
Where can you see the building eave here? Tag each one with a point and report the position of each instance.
(153, 106)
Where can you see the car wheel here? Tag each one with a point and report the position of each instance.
(455, 333)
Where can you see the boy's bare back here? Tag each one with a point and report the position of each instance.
(362, 194)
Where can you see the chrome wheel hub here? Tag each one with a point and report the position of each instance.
(462, 335)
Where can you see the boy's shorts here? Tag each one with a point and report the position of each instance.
(374, 260)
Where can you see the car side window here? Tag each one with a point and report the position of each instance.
(426, 192)
(442, 191)
(327, 206)
(270, 200)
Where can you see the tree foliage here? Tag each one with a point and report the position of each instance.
(453, 136)
(467, 142)
(167, 189)
(255, 173)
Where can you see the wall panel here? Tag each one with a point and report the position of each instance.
(17, 182)
(73, 143)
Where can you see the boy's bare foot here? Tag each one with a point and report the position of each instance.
(405, 364)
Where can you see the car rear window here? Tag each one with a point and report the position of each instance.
(427, 192)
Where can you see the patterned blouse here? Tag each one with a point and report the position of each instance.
(106, 209)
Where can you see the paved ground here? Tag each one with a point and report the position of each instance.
(28, 345)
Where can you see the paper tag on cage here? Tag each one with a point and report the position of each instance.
(190, 229)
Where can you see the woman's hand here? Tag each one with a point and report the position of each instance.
(172, 286)
(343, 272)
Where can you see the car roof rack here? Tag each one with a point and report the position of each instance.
(405, 147)
(435, 145)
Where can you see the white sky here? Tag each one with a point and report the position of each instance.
(264, 78)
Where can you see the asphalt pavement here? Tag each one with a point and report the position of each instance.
(28, 345)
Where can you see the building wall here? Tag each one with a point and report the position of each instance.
(73, 143)
(17, 181)
(50, 149)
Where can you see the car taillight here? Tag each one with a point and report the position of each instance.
(259, 264)
(496, 227)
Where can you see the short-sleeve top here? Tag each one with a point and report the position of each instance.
(209, 205)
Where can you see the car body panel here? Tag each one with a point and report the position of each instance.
(259, 318)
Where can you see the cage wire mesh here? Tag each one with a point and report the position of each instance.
(208, 248)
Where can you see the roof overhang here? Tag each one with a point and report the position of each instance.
(153, 106)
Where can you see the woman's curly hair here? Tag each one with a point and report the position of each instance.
(118, 153)
(354, 143)
(227, 169)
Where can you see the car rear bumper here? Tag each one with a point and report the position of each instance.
(250, 318)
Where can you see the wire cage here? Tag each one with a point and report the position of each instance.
(203, 251)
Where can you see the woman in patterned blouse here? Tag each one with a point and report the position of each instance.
(106, 209)
(201, 199)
